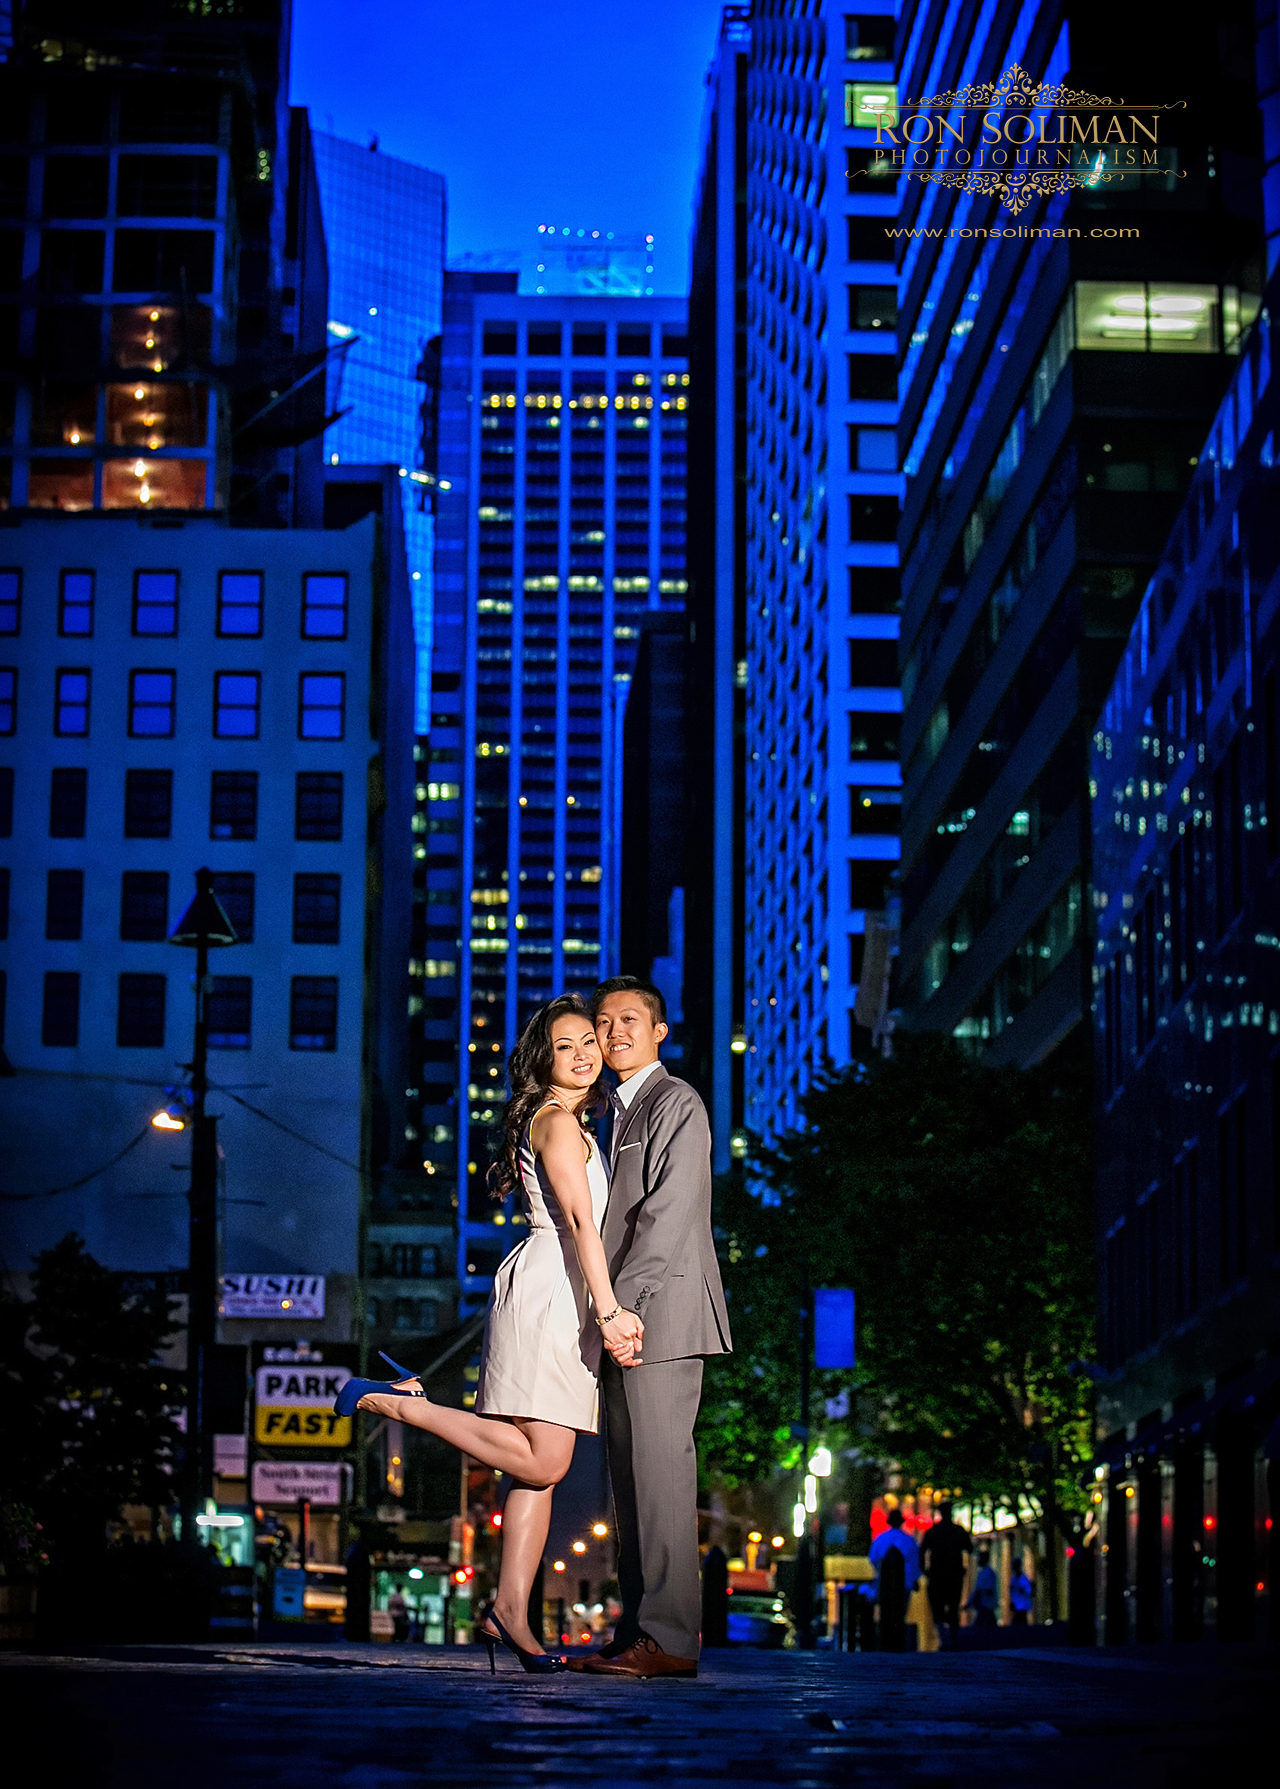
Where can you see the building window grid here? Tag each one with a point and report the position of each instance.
(75, 604)
(240, 605)
(237, 704)
(70, 701)
(152, 704)
(155, 603)
(321, 705)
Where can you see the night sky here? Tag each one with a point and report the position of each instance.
(578, 112)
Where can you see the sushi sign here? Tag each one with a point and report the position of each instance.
(272, 1295)
(293, 1393)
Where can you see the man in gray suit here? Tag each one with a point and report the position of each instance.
(657, 1237)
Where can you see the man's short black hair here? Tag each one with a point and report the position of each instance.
(632, 984)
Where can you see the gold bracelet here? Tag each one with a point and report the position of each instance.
(615, 1312)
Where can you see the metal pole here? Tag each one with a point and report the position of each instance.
(804, 1552)
(202, 1257)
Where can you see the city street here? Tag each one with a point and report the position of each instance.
(373, 1716)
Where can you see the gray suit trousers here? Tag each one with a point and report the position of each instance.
(649, 1416)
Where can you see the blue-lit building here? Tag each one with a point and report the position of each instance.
(1057, 378)
(1186, 1008)
(384, 223)
(793, 221)
(561, 430)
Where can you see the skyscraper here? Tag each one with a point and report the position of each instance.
(1059, 372)
(562, 439)
(795, 605)
(384, 223)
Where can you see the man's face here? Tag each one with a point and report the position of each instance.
(627, 1034)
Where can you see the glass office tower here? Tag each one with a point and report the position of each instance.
(384, 225)
(561, 430)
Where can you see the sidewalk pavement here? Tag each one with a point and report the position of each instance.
(249, 1716)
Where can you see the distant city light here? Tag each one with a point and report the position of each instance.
(558, 1565)
(579, 1546)
(599, 1529)
(415, 1572)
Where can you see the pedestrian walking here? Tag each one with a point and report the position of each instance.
(398, 1610)
(986, 1592)
(944, 1554)
(1022, 1595)
(897, 1561)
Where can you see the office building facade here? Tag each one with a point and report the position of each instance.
(384, 223)
(1056, 383)
(1186, 1014)
(813, 547)
(561, 430)
(161, 269)
(190, 694)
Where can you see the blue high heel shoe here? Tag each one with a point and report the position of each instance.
(537, 1664)
(355, 1389)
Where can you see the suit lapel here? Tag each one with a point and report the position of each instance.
(625, 1121)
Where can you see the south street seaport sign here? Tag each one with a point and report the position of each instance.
(1018, 139)
(293, 1405)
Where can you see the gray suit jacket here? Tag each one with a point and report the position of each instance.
(657, 1229)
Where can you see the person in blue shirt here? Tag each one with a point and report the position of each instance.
(1022, 1595)
(897, 1561)
(986, 1592)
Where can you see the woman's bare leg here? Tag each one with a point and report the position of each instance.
(535, 1453)
(526, 1519)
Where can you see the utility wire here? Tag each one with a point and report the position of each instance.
(70, 1187)
(298, 1136)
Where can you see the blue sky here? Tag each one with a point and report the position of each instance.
(577, 112)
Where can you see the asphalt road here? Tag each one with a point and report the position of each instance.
(378, 1717)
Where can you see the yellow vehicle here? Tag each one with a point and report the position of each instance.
(325, 1595)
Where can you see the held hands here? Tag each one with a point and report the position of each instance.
(623, 1335)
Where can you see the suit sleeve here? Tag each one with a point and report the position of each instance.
(677, 1176)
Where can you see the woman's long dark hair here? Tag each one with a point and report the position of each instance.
(529, 1078)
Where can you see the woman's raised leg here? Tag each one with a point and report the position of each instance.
(526, 1519)
(535, 1453)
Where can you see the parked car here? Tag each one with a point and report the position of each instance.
(760, 1621)
(325, 1597)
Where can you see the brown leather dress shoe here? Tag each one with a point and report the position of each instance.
(643, 1658)
(582, 1661)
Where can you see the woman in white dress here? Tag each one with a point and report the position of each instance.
(551, 1307)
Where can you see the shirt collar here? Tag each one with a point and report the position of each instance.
(627, 1090)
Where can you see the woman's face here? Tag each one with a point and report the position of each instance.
(575, 1055)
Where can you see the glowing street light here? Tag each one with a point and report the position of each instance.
(579, 1546)
(600, 1530)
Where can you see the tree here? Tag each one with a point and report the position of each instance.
(958, 1202)
(91, 1410)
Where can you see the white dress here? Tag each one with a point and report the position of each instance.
(541, 1356)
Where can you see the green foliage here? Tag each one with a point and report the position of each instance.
(958, 1202)
(89, 1410)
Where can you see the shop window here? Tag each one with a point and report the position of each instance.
(152, 416)
(65, 485)
(152, 699)
(140, 1012)
(318, 805)
(237, 697)
(75, 186)
(873, 307)
(154, 337)
(68, 802)
(153, 484)
(64, 413)
(239, 605)
(163, 261)
(229, 1012)
(316, 909)
(235, 889)
(324, 606)
(233, 804)
(71, 703)
(155, 602)
(166, 186)
(10, 601)
(1151, 317)
(75, 604)
(148, 804)
(144, 906)
(313, 1012)
(60, 1017)
(321, 699)
(64, 905)
(71, 261)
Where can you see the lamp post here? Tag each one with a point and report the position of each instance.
(203, 927)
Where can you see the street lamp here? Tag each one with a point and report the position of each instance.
(203, 927)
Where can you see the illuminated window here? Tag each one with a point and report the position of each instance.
(65, 485)
(237, 697)
(149, 416)
(240, 605)
(324, 606)
(71, 704)
(865, 102)
(1152, 317)
(75, 603)
(321, 698)
(153, 484)
(152, 699)
(155, 602)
